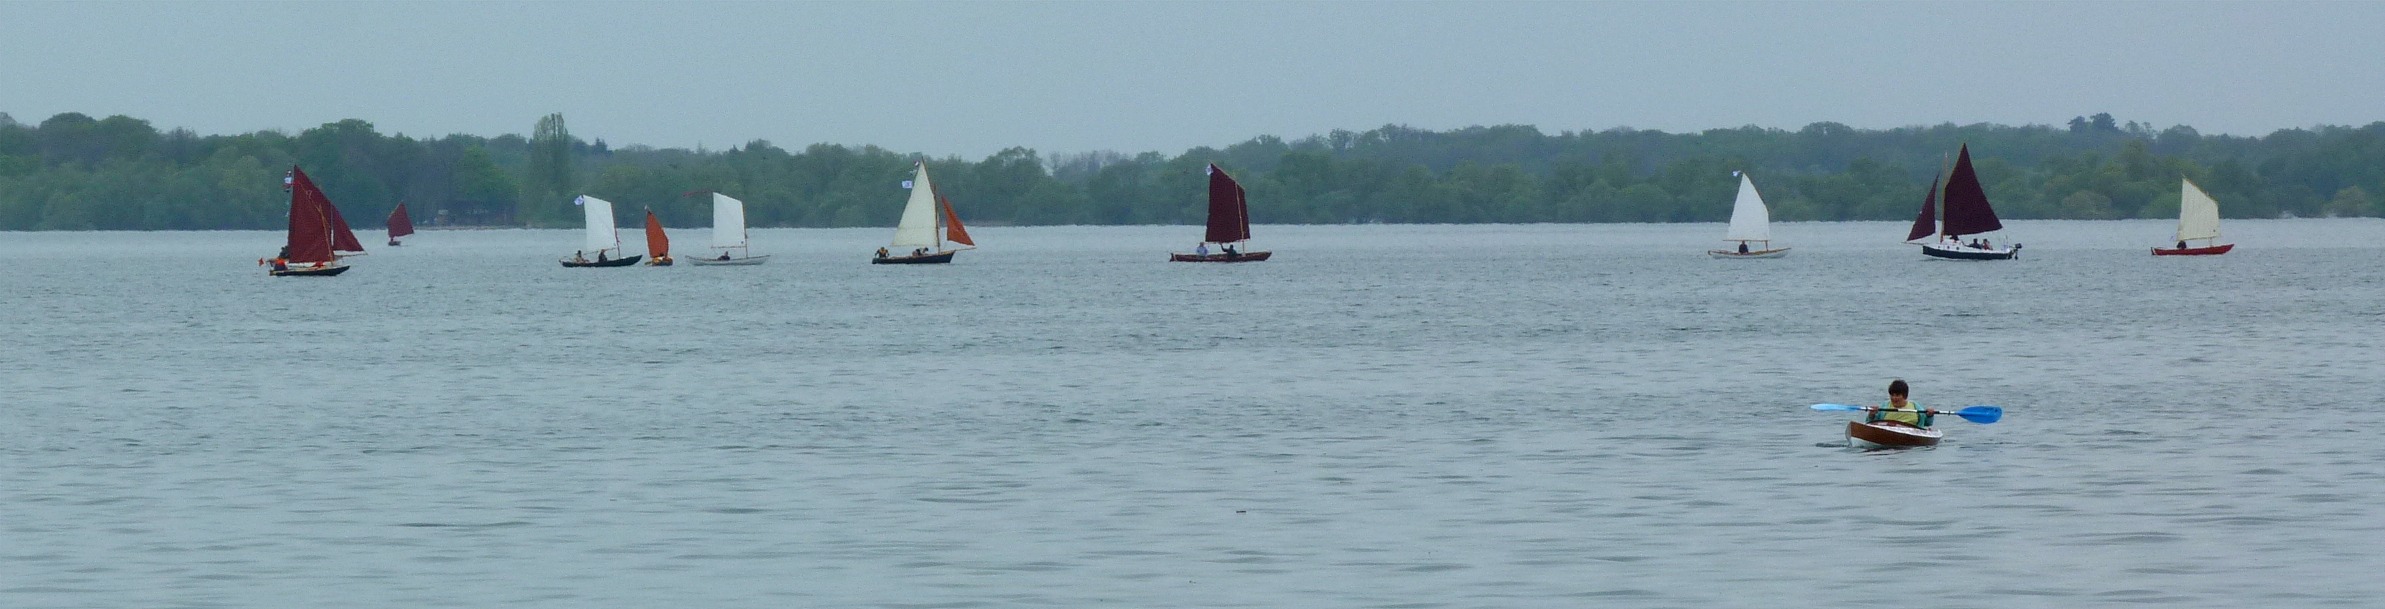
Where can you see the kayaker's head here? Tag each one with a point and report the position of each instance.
(1897, 392)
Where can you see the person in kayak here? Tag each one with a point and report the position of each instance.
(1899, 409)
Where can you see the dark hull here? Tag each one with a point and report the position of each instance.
(311, 271)
(940, 258)
(2195, 251)
(1889, 435)
(1964, 253)
(1243, 257)
(608, 263)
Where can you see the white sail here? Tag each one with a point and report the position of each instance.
(601, 236)
(918, 228)
(2198, 214)
(728, 221)
(1749, 220)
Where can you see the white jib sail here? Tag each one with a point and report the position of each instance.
(1749, 220)
(728, 221)
(2198, 214)
(918, 228)
(600, 225)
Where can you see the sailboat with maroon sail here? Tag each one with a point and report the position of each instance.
(318, 235)
(1229, 223)
(1967, 213)
(400, 224)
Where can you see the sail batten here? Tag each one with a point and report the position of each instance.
(2198, 213)
(728, 222)
(918, 226)
(1750, 221)
(1229, 208)
(1967, 209)
(601, 234)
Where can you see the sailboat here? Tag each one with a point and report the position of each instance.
(2198, 219)
(399, 224)
(1750, 222)
(728, 233)
(318, 235)
(658, 245)
(602, 237)
(927, 223)
(1967, 213)
(1229, 223)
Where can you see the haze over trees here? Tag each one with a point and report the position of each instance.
(74, 172)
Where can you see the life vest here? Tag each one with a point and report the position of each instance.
(1917, 419)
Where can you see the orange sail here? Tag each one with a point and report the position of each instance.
(952, 225)
(657, 244)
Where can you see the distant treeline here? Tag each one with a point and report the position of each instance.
(73, 172)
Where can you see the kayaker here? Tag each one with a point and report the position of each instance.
(1911, 412)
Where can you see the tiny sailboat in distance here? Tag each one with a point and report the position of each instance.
(729, 235)
(1750, 223)
(603, 239)
(318, 236)
(658, 245)
(400, 224)
(2198, 220)
(1229, 223)
(927, 222)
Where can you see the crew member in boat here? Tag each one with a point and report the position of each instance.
(281, 260)
(579, 256)
(1899, 409)
(1202, 249)
(1230, 253)
(2181, 244)
(881, 252)
(723, 256)
(1743, 247)
(600, 256)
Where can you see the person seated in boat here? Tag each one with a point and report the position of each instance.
(1743, 247)
(2181, 244)
(579, 256)
(724, 256)
(1202, 249)
(1231, 254)
(918, 252)
(881, 252)
(1899, 409)
(600, 256)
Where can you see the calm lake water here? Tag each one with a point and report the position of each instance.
(1383, 416)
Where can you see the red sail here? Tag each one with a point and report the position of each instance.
(1967, 211)
(399, 224)
(658, 245)
(310, 227)
(952, 225)
(1927, 223)
(1229, 214)
(342, 239)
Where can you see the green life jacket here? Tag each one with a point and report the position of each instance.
(1917, 419)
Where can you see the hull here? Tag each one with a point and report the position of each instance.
(608, 263)
(936, 258)
(1241, 257)
(661, 261)
(1966, 253)
(2195, 251)
(1889, 435)
(746, 261)
(1757, 254)
(326, 270)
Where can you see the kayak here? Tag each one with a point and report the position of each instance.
(1890, 434)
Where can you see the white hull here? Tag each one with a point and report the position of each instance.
(1750, 255)
(748, 261)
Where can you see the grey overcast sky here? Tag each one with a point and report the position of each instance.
(1060, 77)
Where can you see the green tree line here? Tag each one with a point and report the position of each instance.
(74, 172)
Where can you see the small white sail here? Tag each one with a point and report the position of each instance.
(728, 221)
(2198, 213)
(1749, 220)
(918, 227)
(601, 236)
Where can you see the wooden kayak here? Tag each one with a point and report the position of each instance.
(1890, 434)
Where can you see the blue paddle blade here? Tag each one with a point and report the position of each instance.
(1836, 407)
(1981, 414)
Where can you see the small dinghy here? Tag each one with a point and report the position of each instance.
(1967, 213)
(319, 236)
(928, 221)
(1890, 434)
(1750, 223)
(1229, 223)
(729, 235)
(2198, 219)
(601, 237)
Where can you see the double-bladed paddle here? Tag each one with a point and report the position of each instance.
(1976, 414)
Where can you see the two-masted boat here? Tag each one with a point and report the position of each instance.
(927, 222)
(1750, 223)
(400, 224)
(1229, 224)
(2198, 220)
(1967, 213)
(318, 236)
(729, 236)
(658, 245)
(603, 240)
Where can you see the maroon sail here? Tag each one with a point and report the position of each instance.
(1927, 223)
(1967, 210)
(310, 226)
(342, 239)
(400, 224)
(1229, 213)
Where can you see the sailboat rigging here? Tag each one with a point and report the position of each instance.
(318, 236)
(927, 222)
(1750, 223)
(729, 235)
(1966, 213)
(1229, 223)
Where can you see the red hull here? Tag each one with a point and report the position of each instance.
(1245, 257)
(2195, 251)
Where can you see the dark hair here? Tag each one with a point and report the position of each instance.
(1897, 387)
